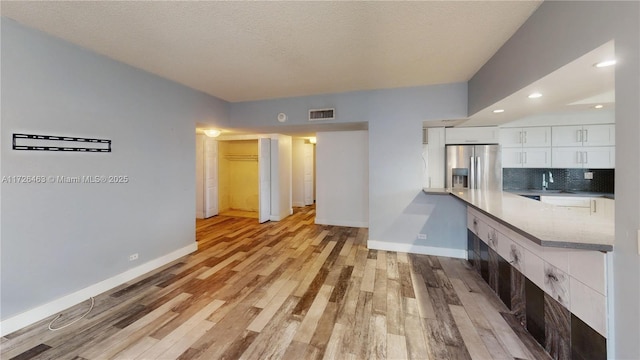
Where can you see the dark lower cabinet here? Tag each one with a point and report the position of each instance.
(471, 246)
(586, 343)
(518, 299)
(562, 334)
(534, 300)
(504, 281)
(484, 261)
(493, 270)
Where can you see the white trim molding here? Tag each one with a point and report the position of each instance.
(43, 311)
(417, 249)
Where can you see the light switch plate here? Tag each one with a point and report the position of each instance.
(588, 175)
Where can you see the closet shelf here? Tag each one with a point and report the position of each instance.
(240, 157)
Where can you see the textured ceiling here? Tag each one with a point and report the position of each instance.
(241, 51)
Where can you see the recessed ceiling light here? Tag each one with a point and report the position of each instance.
(498, 111)
(535, 95)
(598, 106)
(605, 63)
(212, 132)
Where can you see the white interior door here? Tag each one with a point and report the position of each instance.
(308, 150)
(210, 177)
(264, 176)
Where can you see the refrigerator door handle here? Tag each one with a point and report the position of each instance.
(478, 172)
(472, 172)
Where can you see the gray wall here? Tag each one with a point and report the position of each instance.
(342, 173)
(61, 238)
(395, 119)
(557, 33)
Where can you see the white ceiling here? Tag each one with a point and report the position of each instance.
(241, 51)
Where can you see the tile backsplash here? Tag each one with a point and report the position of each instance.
(563, 179)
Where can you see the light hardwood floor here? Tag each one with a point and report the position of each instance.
(291, 290)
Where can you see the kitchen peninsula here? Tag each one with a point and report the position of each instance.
(544, 224)
(548, 264)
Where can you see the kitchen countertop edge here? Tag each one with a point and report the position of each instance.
(534, 239)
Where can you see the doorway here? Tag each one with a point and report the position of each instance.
(233, 178)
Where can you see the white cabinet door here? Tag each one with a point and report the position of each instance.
(512, 157)
(602, 157)
(511, 137)
(536, 136)
(264, 183)
(566, 157)
(603, 207)
(210, 177)
(435, 157)
(599, 135)
(587, 135)
(536, 157)
(308, 168)
(566, 136)
(472, 135)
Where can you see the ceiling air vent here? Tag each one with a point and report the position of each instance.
(322, 114)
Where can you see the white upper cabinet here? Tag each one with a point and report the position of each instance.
(590, 157)
(526, 157)
(599, 135)
(539, 136)
(584, 135)
(472, 135)
(584, 146)
(527, 147)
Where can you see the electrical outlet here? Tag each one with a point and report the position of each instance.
(422, 236)
(588, 175)
(133, 257)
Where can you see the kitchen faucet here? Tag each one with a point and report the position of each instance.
(545, 184)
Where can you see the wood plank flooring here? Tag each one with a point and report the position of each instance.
(288, 290)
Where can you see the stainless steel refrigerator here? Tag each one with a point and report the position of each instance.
(473, 167)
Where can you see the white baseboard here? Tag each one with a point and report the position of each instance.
(43, 311)
(297, 204)
(359, 224)
(417, 249)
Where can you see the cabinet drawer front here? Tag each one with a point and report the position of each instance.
(567, 201)
(589, 267)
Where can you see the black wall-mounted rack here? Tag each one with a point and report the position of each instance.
(59, 143)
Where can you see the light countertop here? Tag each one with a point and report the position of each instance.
(544, 224)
